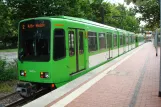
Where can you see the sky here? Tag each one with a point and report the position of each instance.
(142, 23)
(115, 1)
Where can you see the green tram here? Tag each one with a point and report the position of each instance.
(55, 50)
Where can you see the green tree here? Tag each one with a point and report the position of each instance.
(131, 23)
(150, 13)
(79, 8)
(16, 10)
(120, 17)
(7, 31)
(36, 8)
(149, 10)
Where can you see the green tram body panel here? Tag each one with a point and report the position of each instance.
(75, 63)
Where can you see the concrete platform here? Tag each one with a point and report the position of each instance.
(8, 56)
(131, 80)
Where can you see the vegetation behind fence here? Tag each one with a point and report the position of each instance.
(8, 71)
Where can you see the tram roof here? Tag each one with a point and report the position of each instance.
(83, 21)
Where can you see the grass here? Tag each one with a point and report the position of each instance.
(8, 76)
(8, 86)
(9, 50)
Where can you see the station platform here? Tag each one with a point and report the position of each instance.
(131, 80)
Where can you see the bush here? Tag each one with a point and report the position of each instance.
(2, 65)
(8, 71)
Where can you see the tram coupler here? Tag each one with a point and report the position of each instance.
(26, 89)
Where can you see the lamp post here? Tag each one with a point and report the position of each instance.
(102, 14)
(156, 42)
(160, 52)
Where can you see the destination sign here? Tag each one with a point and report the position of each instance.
(30, 26)
(35, 24)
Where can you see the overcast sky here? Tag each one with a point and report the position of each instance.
(121, 2)
(115, 1)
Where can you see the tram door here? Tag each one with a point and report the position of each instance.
(76, 61)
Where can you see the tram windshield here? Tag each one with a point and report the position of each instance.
(34, 40)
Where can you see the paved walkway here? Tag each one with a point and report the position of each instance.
(134, 83)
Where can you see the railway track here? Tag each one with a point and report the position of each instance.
(17, 103)
(1, 98)
(23, 101)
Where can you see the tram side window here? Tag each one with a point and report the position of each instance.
(121, 40)
(115, 40)
(138, 38)
(59, 44)
(81, 44)
(109, 40)
(127, 39)
(134, 39)
(131, 39)
(92, 41)
(102, 41)
(124, 39)
(71, 43)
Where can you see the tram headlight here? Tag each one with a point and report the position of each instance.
(44, 75)
(22, 72)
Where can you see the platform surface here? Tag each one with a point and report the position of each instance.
(131, 80)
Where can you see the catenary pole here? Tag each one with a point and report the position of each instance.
(160, 51)
(156, 42)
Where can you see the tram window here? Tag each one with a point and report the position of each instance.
(34, 43)
(109, 40)
(133, 39)
(92, 41)
(59, 44)
(121, 40)
(71, 43)
(115, 40)
(127, 40)
(81, 44)
(102, 41)
(124, 40)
